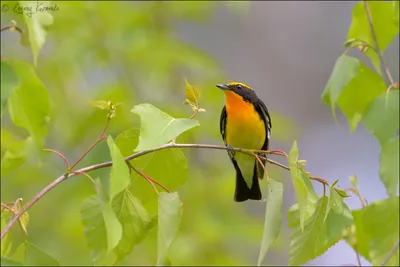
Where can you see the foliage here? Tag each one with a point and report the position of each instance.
(122, 211)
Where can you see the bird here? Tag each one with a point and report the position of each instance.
(245, 123)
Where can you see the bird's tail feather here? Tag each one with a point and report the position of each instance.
(242, 191)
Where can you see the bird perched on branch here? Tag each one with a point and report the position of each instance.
(245, 123)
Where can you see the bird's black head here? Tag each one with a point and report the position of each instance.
(242, 89)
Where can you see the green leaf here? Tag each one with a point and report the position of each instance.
(359, 93)
(6, 242)
(353, 180)
(95, 231)
(36, 256)
(381, 117)
(132, 217)
(338, 219)
(37, 23)
(305, 194)
(374, 240)
(100, 104)
(303, 243)
(119, 171)
(16, 154)
(113, 227)
(135, 222)
(169, 167)
(376, 62)
(336, 204)
(341, 192)
(9, 82)
(169, 217)
(345, 69)
(321, 231)
(157, 127)
(191, 93)
(27, 109)
(24, 219)
(384, 23)
(389, 169)
(8, 262)
(127, 141)
(273, 217)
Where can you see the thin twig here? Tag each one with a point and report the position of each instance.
(99, 139)
(109, 163)
(158, 183)
(278, 164)
(12, 27)
(148, 177)
(357, 193)
(322, 181)
(85, 174)
(358, 258)
(378, 51)
(58, 153)
(4, 206)
(144, 176)
(391, 253)
(194, 114)
(262, 165)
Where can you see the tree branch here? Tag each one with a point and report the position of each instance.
(99, 139)
(131, 157)
(378, 51)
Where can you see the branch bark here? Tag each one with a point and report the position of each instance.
(131, 157)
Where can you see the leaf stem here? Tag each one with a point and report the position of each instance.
(391, 253)
(4, 206)
(357, 193)
(194, 114)
(262, 165)
(85, 174)
(358, 258)
(378, 51)
(144, 176)
(321, 180)
(58, 153)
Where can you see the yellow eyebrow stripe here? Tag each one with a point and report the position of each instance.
(242, 84)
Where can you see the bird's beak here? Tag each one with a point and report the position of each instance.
(222, 87)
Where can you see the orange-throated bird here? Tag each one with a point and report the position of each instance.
(245, 123)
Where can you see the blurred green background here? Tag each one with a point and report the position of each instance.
(129, 52)
(142, 52)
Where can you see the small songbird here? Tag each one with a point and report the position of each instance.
(245, 123)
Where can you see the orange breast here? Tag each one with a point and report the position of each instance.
(245, 128)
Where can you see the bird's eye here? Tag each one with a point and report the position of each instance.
(239, 86)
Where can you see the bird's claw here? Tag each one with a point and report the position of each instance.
(230, 150)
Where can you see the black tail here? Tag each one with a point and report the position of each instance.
(242, 192)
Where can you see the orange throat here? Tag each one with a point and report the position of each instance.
(236, 106)
(244, 128)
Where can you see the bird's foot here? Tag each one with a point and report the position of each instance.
(230, 150)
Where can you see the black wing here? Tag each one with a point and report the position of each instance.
(263, 111)
(264, 114)
(222, 124)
